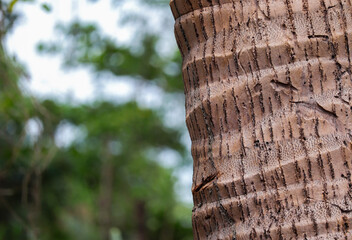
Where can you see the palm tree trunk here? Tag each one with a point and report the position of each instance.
(268, 88)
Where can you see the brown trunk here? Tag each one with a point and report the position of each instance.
(34, 205)
(268, 88)
(141, 220)
(106, 197)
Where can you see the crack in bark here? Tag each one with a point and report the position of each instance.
(261, 11)
(279, 86)
(205, 182)
(342, 100)
(343, 210)
(317, 107)
(318, 36)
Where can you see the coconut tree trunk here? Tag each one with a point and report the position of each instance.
(268, 88)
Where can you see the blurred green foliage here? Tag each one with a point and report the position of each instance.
(85, 45)
(105, 182)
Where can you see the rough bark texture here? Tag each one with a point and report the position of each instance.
(268, 88)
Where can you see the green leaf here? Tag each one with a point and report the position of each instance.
(11, 5)
(46, 7)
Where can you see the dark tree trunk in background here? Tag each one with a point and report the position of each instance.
(141, 220)
(268, 106)
(106, 197)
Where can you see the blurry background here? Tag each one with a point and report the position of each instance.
(93, 143)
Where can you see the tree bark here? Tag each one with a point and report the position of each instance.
(268, 87)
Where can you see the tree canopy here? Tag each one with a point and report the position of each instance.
(91, 170)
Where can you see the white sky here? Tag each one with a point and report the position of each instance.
(47, 79)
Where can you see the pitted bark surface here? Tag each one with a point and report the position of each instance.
(268, 87)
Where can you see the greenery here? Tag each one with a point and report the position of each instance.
(106, 183)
